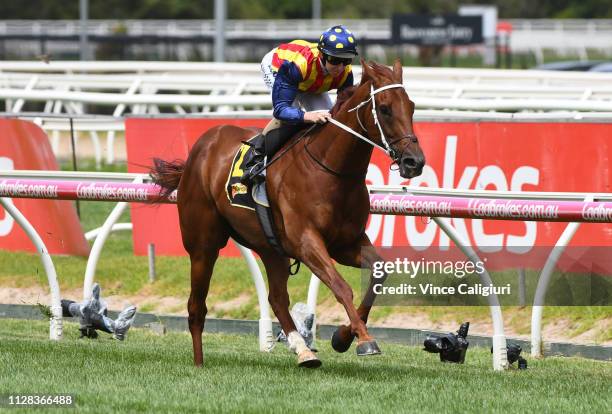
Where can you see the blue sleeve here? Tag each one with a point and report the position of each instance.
(284, 91)
(347, 82)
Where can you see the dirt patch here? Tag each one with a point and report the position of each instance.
(228, 305)
(327, 313)
(32, 295)
(421, 321)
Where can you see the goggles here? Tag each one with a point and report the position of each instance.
(333, 60)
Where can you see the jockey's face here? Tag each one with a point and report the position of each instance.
(335, 66)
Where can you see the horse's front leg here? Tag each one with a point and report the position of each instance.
(361, 255)
(314, 254)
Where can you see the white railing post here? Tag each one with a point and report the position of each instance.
(266, 336)
(543, 281)
(311, 303)
(96, 249)
(55, 322)
(500, 356)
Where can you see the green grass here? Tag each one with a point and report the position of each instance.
(148, 373)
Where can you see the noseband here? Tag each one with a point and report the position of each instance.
(387, 145)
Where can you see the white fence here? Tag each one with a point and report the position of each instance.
(154, 87)
(272, 28)
(575, 36)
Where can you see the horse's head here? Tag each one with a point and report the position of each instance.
(386, 116)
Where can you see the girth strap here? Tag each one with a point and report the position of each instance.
(266, 220)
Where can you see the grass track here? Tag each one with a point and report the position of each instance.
(147, 373)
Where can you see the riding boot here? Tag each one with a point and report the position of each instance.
(254, 164)
(273, 141)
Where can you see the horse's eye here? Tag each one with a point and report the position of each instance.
(385, 110)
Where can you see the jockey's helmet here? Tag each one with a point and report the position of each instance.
(338, 41)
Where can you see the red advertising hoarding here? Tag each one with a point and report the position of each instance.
(24, 146)
(516, 156)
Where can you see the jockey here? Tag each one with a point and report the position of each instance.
(299, 74)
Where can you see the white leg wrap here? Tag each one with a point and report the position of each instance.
(296, 342)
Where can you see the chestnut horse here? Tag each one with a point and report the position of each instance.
(319, 198)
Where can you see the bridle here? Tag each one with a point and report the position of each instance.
(387, 145)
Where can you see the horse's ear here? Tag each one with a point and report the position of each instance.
(366, 71)
(397, 71)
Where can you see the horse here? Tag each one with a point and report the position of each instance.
(320, 203)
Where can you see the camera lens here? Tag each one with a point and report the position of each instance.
(433, 344)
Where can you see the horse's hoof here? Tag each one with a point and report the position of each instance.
(340, 344)
(308, 359)
(368, 348)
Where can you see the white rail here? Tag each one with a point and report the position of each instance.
(229, 70)
(205, 87)
(270, 27)
(258, 101)
(527, 35)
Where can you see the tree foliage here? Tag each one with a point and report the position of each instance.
(292, 9)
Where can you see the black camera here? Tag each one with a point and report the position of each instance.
(514, 354)
(451, 347)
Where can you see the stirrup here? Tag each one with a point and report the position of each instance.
(255, 173)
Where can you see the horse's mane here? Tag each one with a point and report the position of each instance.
(342, 97)
(381, 71)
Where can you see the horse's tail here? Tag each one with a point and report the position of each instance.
(167, 175)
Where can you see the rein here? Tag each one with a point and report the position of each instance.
(387, 145)
(276, 156)
(331, 170)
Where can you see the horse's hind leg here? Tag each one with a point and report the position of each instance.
(204, 234)
(277, 270)
(202, 263)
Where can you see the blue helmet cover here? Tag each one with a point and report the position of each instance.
(338, 41)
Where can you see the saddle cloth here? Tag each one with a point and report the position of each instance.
(237, 193)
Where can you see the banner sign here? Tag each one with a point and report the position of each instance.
(426, 29)
(494, 209)
(24, 146)
(505, 156)
(169, 139)
(82, 190)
